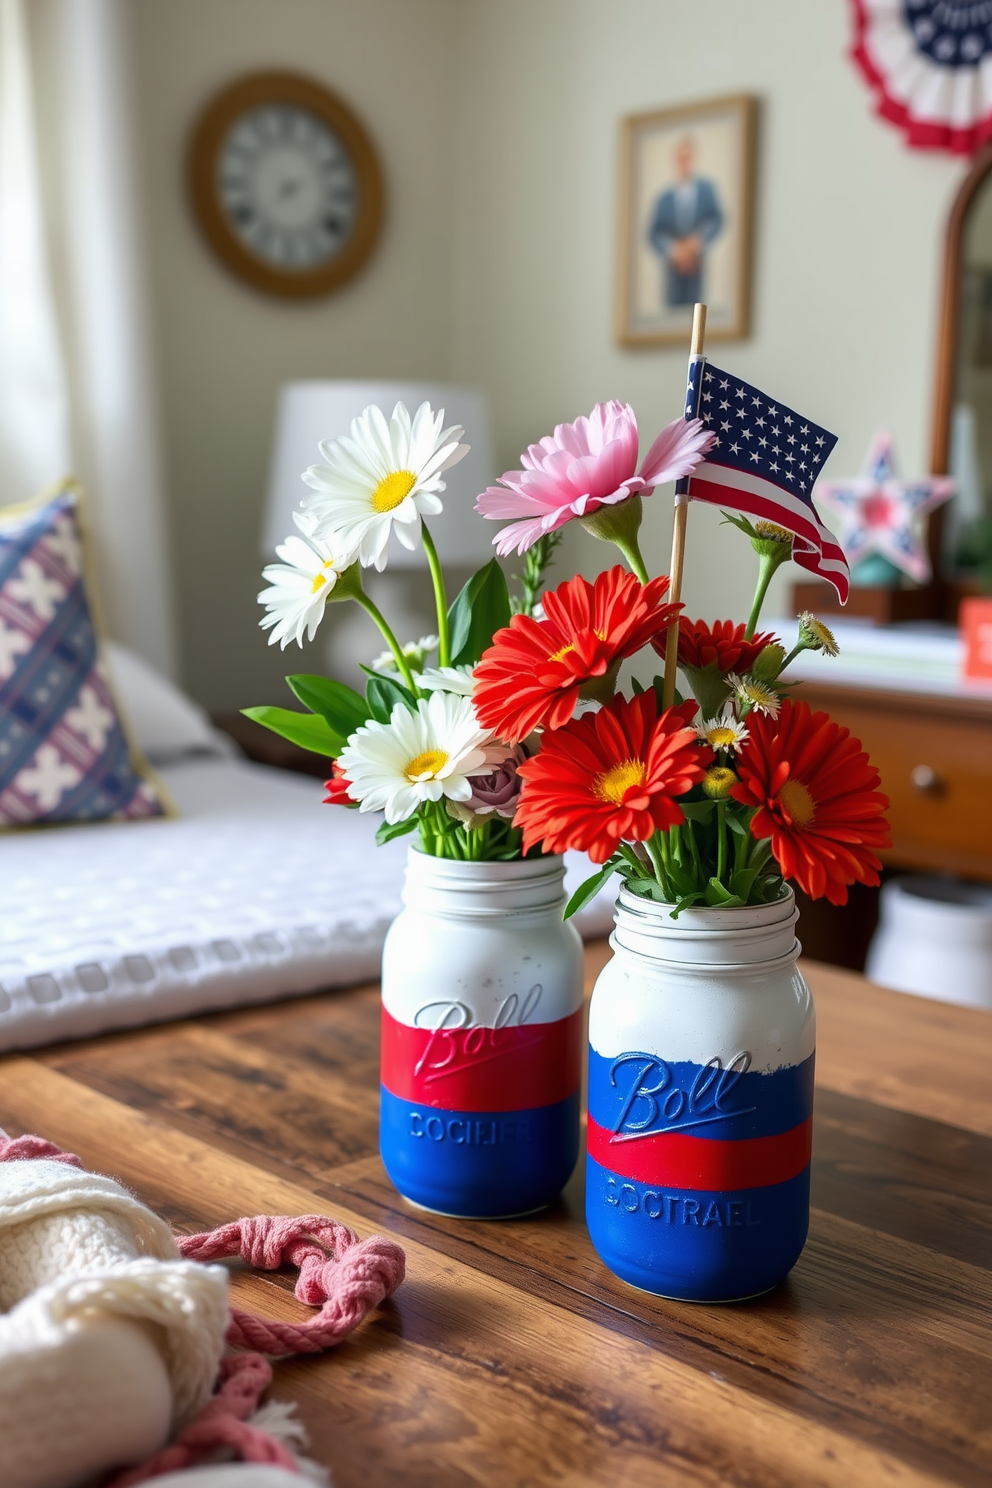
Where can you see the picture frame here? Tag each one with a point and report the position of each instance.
(686, 214)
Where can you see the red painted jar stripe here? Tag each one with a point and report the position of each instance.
(677, 1160)
(483, 1069)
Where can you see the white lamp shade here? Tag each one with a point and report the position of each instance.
(310, 412)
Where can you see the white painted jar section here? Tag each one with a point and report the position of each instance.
(481, 934)
(709, 984)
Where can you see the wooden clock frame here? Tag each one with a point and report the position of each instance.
(209, 132)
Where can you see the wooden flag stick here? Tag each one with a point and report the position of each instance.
(678, 533)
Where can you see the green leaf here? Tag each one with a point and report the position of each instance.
(388, 830)
(481, 609)
(636, 687)
(742, 882)
(740, 521)
(383, 693)
(684, 903)
(698, 810)
(343, 708)
(645, 887)
(309, 730)
(588, 890)
(658, 683)
(719, 897)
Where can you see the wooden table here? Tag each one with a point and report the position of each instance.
(510, 1356)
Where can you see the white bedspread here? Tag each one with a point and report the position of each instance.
(257, 891)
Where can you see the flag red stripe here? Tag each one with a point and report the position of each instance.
(816, 549)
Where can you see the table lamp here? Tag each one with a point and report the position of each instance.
(313, 411)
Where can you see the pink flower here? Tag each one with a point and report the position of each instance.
(584, 466)
(499, 788)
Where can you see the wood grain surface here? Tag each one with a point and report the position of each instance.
(511, 1356)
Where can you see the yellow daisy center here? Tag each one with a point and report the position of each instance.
(757, 693)
(426, 766)
(321, 578)
(612, 785)
(560, 655)
(392, 489)
(771, 530)
(717, 782)
(798, 802)
(821, 633)
(722, 737)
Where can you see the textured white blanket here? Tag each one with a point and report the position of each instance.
(257, 891)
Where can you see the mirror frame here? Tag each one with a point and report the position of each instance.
(947, 345)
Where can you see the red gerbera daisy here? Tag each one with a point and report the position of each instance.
(337, 788)
(532, 673)
(721, 644)
(610, 776)
(817, 799)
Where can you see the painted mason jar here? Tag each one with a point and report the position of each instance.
(482, 1040)
(702, 1036)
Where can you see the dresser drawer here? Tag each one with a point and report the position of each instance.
(935, 759)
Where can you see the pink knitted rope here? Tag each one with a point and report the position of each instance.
(16, 1149)
(223, 1423)
(341, 1274)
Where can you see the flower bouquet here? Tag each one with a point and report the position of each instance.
(516, 740)
(507, 739)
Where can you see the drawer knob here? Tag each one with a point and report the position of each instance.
(925, 779)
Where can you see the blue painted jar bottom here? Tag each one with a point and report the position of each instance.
(478, 1164)
(697, 1245)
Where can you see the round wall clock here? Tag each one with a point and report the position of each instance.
(286, 184)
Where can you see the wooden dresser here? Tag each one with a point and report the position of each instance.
(934, 754)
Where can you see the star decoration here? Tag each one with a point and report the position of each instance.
(876, 513)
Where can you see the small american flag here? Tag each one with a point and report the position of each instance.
(764, 463)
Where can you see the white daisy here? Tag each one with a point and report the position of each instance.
(815, 636)
(723, 732)
(459, 680)
(382, 476)
(415, 757)
(416, 653)
(300, 584)
(751, 693)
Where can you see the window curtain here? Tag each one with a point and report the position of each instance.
(77, 386)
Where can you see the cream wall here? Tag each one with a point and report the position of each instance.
(498, 123)
(225, 349)
(848, 240)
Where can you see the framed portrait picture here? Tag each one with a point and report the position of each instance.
(686, 194)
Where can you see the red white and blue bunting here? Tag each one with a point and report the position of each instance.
(929, 64)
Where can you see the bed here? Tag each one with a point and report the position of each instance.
(254, 891)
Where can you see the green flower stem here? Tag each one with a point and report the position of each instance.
(766, 568)
(694, 849)
(630, 857)
(618, 525)
(797, 650)
(721, 839)
(403, 665)
(635, 562)
(653, 845)
(437, 579)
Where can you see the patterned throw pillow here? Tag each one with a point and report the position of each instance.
(64, 756)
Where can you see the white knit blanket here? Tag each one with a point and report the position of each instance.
(108, 1341)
